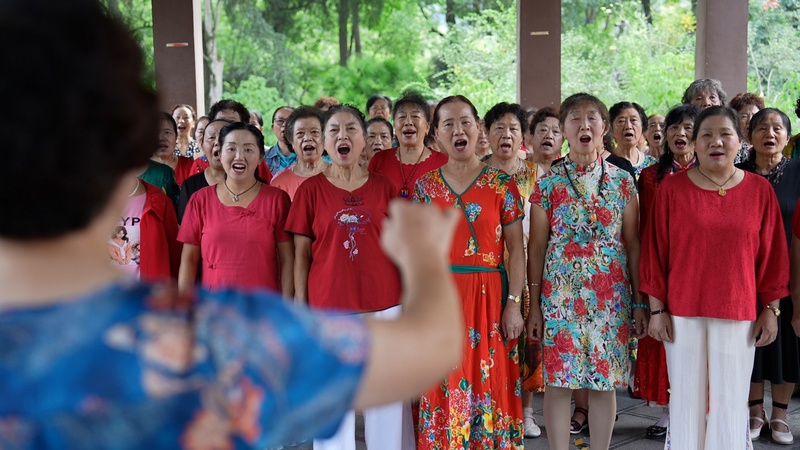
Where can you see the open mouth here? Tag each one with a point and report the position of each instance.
(238, 167)
(657, 138)
(628, 135)
(460, 144)
(309, 149)
(377, 146)
(409, 133)
(343, 150)
(770, 144)
(585, 139)
(680, 144)
(716, 154)
(505, 147)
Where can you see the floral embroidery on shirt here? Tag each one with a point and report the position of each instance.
(353, 219)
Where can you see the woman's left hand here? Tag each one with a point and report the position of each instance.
(766, 329)
(513, 324)
(641, 318)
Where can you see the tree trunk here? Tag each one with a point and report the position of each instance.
(591, 14)
(648, 14)
(214, 65)
(344, 13)
(450, 12)
(356, 25)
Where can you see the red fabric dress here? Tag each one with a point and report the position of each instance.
(238, 245)
(349, 270)
(711, 256)
(385, 162)
(479, 405)
(651, 377)
(183, 170)
(160, 249)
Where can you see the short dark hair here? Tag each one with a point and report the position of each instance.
(184, 105)
(675, 115)
(501, 109)
(797, 108)
(375, 97)
(275, 113)
(107, 118)
(540, 116)
(746, 99)
(259, 118)
(350, 109)
(416, 99)
(383, 121)
(617, 109)
(761, 115)
(243, 126)
(451, 99)
(168, 117)
(575, 100)
(223, 104)
(326, 102)
(303, 112)
(713, 111)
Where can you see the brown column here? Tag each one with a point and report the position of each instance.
(721, 50)
(178, 43)
(539, 53)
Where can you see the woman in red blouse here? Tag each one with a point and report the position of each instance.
(405, 164)
(651, 379)
(336, 219)
(706, 257)
(237, 226)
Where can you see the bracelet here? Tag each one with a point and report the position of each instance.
(641, 305)
(533, 284)
(659, 311)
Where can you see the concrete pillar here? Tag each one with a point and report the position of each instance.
(178, 48)
(539, 53)
(721, 50)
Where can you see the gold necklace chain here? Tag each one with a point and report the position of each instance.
(722, 192)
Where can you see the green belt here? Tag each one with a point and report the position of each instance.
(482, 269)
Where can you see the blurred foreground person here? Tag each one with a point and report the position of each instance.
(142, 367)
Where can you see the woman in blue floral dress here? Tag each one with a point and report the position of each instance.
(582, 273)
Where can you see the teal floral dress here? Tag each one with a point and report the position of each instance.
(585, 297)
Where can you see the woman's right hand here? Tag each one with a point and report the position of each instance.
(660, 327)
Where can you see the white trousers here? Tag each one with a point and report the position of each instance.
(387, 427)
(709, 365)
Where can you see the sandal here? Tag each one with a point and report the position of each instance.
(576, 427)
(757, 422)
(780, 437)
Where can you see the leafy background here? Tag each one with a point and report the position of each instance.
(266, 53)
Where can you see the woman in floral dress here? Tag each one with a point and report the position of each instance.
(582, 274)
(478, 405)
(504, 123)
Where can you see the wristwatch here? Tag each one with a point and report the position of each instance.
(514, 299)
(775, 310)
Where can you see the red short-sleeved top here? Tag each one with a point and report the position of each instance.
(238, 245)
(796, 220)
(385, 162)
(706, 255)
(349, 270)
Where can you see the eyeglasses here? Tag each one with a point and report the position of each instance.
(656, 126)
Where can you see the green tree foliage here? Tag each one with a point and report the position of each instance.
(275, 52)
(773, 60)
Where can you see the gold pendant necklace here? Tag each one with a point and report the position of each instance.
(722, 192)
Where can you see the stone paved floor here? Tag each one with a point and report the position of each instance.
(629, 432)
